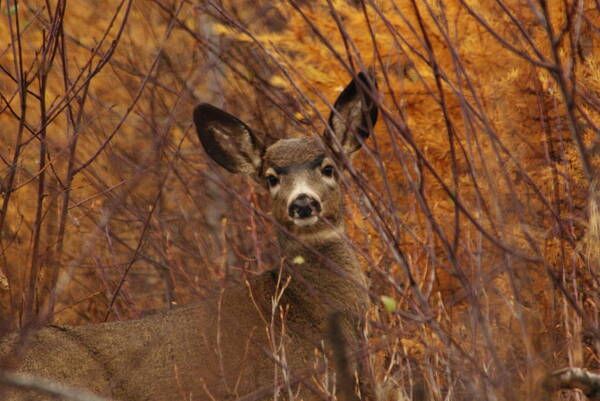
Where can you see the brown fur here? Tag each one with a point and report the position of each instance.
(197, 349)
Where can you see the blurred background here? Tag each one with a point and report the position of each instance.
(474, 205)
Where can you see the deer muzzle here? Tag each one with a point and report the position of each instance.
(304, 208)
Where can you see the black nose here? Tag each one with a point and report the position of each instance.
(304, 206)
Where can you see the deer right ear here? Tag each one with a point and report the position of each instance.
(353, 116)
(228, 141)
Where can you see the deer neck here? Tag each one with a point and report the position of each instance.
(326, 250)
(325, 273)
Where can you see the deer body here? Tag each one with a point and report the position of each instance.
(252, 339)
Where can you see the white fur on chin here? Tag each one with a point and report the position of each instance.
(309, 221)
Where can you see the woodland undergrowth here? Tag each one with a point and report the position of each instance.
(474, 205)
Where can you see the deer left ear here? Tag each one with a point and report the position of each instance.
(229, 141)
(353, 116)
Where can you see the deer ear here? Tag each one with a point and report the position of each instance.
(228, 141)
(353, 116)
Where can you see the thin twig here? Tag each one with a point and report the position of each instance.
(30, 382)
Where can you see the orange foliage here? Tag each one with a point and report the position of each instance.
(507, 278)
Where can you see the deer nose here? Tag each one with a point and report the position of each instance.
(304, 206)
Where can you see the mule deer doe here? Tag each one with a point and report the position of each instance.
(221, 349)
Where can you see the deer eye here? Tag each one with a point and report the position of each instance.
(272, 180)
(328, 171)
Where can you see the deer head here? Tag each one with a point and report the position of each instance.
(301, 174)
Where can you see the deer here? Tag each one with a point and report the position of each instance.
(259, 340)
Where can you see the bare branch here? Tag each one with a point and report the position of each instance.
(30, 382)
(574, 378)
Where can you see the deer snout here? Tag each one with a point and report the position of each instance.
(303, 207)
